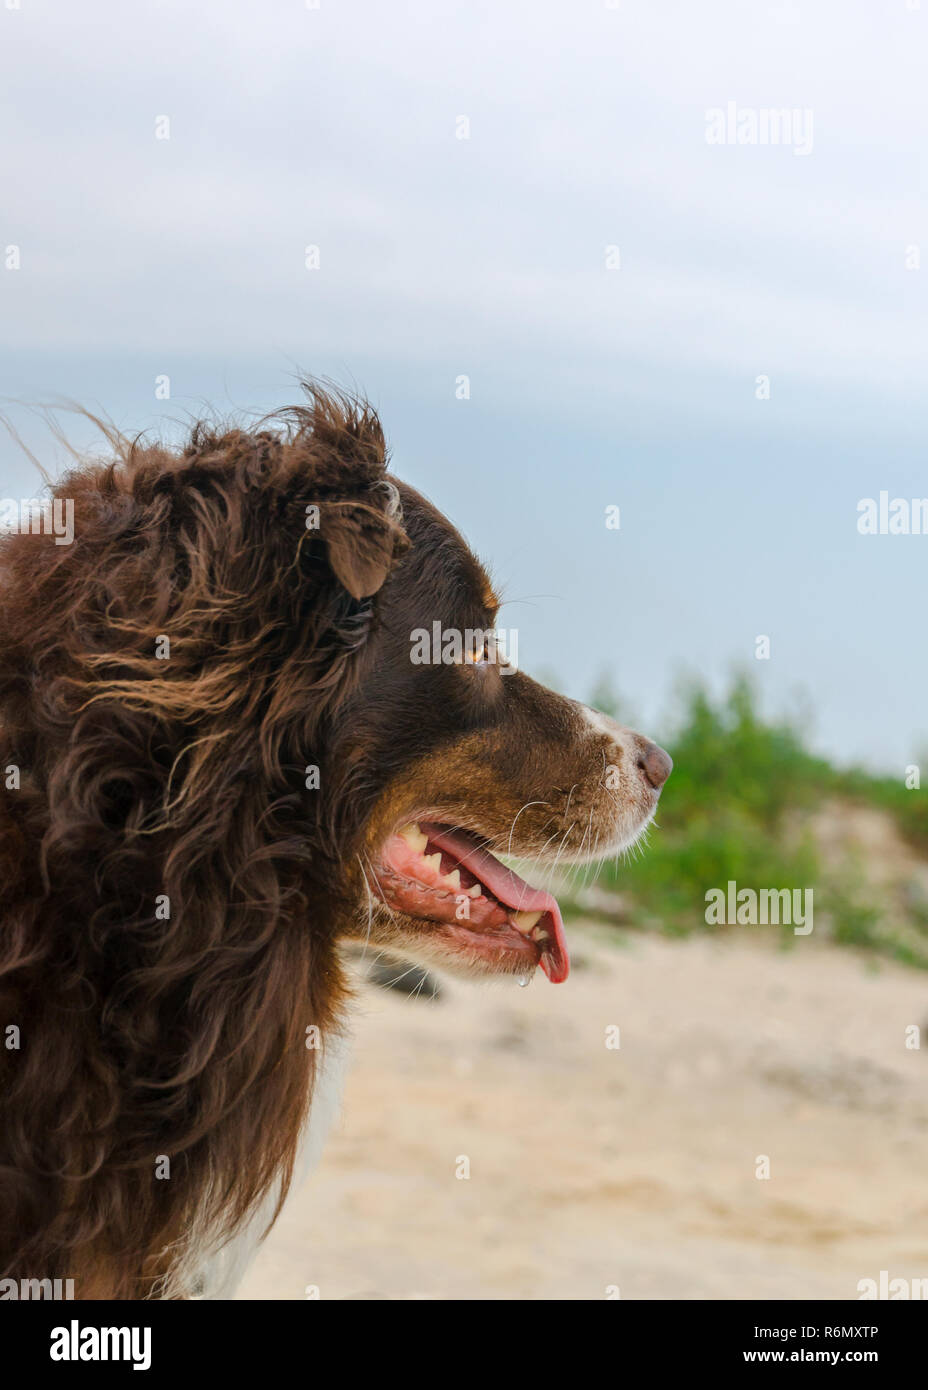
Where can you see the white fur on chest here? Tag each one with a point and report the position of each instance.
(217, 1274)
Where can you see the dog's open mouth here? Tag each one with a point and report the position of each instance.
(447, 878)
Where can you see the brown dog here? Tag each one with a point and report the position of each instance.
(225, 744)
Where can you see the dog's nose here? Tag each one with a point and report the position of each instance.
(655, 764)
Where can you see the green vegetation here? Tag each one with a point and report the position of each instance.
(749, 802)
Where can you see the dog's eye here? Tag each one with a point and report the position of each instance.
(485, 655)
(488, 653)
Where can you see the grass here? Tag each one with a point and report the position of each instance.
(741, 805)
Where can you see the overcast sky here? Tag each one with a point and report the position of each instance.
(339, 128)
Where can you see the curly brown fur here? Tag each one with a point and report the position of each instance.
(175, 875)
(181, 780)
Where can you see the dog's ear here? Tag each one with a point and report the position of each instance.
(362, 543)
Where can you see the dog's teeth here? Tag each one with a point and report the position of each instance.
(414, 838)
(434, 860)
(525, 920)
(453, 880)
(474, 890)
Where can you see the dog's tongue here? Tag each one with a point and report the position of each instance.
(511, 890)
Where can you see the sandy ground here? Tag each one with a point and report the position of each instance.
(634, 1168)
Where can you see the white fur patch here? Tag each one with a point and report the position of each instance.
(217, 1273)
(602, 724)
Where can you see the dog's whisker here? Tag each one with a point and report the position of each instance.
(515, 819)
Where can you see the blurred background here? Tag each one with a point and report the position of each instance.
(511, 226)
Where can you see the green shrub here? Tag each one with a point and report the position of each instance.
(738, 807)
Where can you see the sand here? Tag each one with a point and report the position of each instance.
(630, 1169)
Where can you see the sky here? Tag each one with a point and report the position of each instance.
(724, 338)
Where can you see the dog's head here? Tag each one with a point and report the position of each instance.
(466, 758)
(269, 667)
